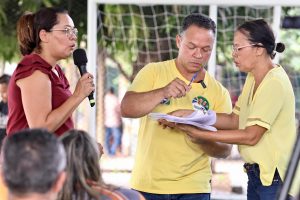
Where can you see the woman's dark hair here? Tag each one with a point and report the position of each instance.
(30, 24)
(82, 165)
(260, 33)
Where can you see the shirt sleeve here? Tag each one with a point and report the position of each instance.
(145, 79)
(266, 104)
(29, 65)
(237, 108)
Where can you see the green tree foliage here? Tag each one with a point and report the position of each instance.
(130, 39)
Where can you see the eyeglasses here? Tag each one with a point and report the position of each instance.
(237, 49)
(68, 31)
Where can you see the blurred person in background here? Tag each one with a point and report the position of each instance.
(113, 123)
(33, 165)
(39, 93)
(4, 81)
(84, 180)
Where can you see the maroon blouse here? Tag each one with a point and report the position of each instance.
(60, 93)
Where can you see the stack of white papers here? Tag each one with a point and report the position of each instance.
(198, 118)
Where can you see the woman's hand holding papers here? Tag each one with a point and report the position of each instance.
(198, 118)
(181, 113)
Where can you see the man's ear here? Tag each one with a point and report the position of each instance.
(59, 183)
(178, 41)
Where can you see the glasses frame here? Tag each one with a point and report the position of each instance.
(237, 49)
(68, 31)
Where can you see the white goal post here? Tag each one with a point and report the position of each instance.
(213, 7)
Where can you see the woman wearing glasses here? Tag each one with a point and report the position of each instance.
(263, 119)
(39, 94)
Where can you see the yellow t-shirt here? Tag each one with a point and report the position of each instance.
(167, 162)
(271, 107)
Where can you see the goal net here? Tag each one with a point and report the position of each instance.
(133, 35)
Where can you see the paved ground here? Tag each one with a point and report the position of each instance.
(229, 176)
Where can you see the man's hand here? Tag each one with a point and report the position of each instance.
(176, 89)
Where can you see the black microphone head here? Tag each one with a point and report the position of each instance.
(79, 57)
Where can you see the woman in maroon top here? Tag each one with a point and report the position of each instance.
(39, 95)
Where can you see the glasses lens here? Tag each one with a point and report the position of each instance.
(70, 31)
(75, 31)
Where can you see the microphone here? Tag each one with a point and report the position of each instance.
(80, 60)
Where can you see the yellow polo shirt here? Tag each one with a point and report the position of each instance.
(272, 107)
(167, 162)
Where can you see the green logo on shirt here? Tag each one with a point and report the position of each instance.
(200, 103)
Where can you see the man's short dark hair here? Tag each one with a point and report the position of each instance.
(32, 161)
(4, 79)
(200, 21)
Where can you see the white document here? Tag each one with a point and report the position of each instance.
(198, 118)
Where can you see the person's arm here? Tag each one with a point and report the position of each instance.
(249, 136)
(139, 104)
(214, 149)
(227, 121)
(211, 148)
(219, 149)
(223, 121)
(36, 96)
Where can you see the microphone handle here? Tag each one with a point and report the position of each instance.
(91, 99)
(82, 70)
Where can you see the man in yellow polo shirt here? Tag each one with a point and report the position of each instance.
(168, 164)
